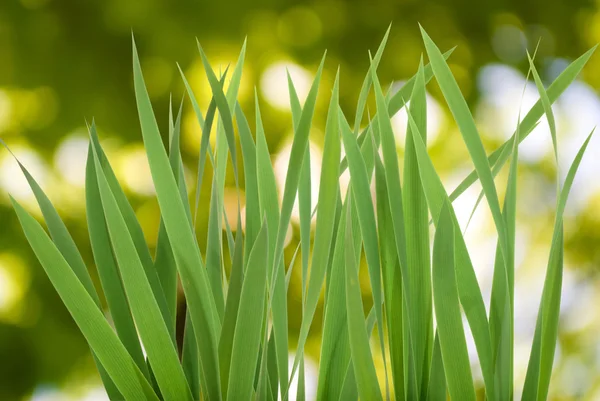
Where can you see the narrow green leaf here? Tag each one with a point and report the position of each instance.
(246, 341)
(327, 201)
(146, 312)
(466, 124)
(107, 268)
(437, 378)
(110, 351)
(469, 291)
(250, 177)
(231, 308)
(185, 248)
(362, 360)
(417, 240)
(554, 91)
(539, 370)
(164, 261)
(453, 344)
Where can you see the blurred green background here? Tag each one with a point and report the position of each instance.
(62, 61)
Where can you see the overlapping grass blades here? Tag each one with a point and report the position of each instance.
(235, 342)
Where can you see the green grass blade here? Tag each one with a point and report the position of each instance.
(102, 339)
(327, 201)
(502, 299)
(362, 360)
(466, 124)
(395, 103)
(403, 373)
(546, 105)
(205, 125)
(539, 370)
(304, 189)
(65, 244)
(213, 248)
(250, 178)
(299, 147)
(366, 216)
(185, 249)
(335, 349)
(145, 309)
(246, 341)
(366, 85)
(417, 240)
(469, 291)
(108, 270)
(164, 262)
(133, 226)
(222, 104)
(269, 208)
(453, 344)
(437, 378)
(554, 91)
(189, 356)
(231, 308)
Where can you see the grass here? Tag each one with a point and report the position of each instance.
(235, 343)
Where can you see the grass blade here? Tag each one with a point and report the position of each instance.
(152, 328)
(539, 370)
(554, 91)
(362, 360)
(453, 344)
(107, 268)
(110, 351)
(246, 341)
(185, 249)
(469, 291)
(417, 240)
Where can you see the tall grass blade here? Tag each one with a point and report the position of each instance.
(417, 240)
(110, 351)
(152, 329)
(539, 370)
(185, 249)
(453, 344)
(560, 84)
(362, 360)
(246, 341)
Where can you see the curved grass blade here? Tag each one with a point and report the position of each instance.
(417, 240)
(325, 217)
(366, 85)
(66, 245)
(453, 344)
(562, 82)
(437, 378)
(110, 351)
(246, 341)
(403, 372)
(299, 147)
(133, 226)
(185, 248)
(395, 103)
(146, 312)
(107, 268)
(164, 262)
(335, 349)
(362, 360)
(469, 291)
(462, 115)
(539, 370)
(304, 191)
(251, 181)
(222, 103)
(206, 126)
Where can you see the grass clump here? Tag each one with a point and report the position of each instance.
(235, 343)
